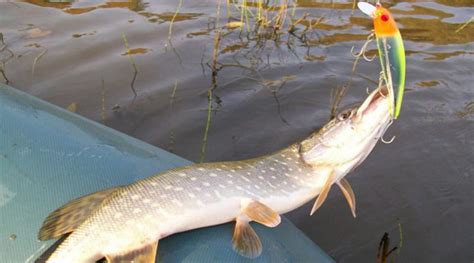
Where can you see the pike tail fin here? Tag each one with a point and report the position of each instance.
(68, 217)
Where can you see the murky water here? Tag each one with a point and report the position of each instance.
(269, 92)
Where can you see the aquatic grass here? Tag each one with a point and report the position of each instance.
(72, 107)
(244, 14)
(465, 24)
(263, 14)
(258, 21)
(170, 29)
(274, 86)
(217, 39)
(103, 112)
(4, 75)
(280, 18)
(210, 95)
(172, 138)
(37, 58)
(271, 20)
(134, 65)
(337, 94)
(354, 3)
(400, 243)
(384, 252)
(3, 62)
(255, 24)
(170, 32)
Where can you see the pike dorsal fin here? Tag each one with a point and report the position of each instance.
(68, 217)
(349, 194)
(323, 194)
(245, 241)
(146, 254)
(261, 213)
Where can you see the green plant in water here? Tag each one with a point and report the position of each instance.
(384, 251)
(134, 65)
(465, 24)
(260, 16)
(3, 62)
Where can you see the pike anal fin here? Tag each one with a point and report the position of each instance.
(245, 241)
(146, 254)
(349, 194)
(323, 194)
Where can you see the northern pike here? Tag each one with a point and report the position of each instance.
(125, 223)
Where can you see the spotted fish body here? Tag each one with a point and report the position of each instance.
(125, 223)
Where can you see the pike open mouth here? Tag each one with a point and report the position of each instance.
(379, 93)
(371, 100)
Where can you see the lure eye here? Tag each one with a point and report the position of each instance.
(384, 17)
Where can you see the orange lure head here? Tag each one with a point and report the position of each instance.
(384, 23)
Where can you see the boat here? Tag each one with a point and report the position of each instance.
(49, 155)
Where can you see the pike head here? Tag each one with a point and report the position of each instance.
(347, 139)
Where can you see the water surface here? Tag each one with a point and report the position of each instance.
(269, 93)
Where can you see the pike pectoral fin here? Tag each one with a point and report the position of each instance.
(146, 254)
(262, 214)
(323, 194)
(68, 217)
(349, 194)
(245, 241)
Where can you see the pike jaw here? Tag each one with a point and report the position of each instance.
(346, 140)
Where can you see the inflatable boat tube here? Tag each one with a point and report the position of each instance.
(49, 156)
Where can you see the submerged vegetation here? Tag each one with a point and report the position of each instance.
(6, 55)
(256, 32)
(253, 30)
(134, 65)
(465, 24)
(384, 252)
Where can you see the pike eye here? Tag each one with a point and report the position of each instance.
(384, 17)
(344, 115)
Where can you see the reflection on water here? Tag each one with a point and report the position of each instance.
(76, 7)
(440, 56)
(78, 35)
(135, 51)
(467, 110)
(428, 84)
(418, 23)
(266, 82)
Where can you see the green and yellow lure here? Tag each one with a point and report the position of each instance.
(391, 49)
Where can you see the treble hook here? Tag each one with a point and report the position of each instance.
(363, 50)
(393, 138)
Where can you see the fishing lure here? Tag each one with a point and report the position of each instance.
(391, 49)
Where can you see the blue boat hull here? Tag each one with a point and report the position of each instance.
(49, 156)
